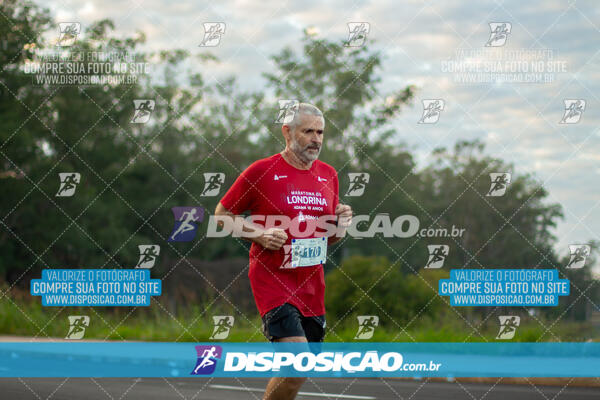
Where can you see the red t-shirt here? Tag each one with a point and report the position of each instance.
(272, 186)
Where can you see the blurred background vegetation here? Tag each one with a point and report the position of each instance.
(132, 174)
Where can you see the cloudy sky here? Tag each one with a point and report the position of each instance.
(519, 122)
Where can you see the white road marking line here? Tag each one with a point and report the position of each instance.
(313, 394)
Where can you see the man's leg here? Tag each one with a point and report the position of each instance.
(284, 388)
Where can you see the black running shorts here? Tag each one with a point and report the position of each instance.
(286, 320)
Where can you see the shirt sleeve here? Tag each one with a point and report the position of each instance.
(240, 195)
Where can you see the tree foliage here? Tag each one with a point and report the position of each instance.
(133, 174)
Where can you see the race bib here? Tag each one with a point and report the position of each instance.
(307, 252)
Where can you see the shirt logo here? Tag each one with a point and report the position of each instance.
(278, 177)
(321, 179)
(207, 359)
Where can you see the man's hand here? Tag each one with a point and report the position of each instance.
(344, 214)
(273, 238)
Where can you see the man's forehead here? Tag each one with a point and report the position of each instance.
(311, 121)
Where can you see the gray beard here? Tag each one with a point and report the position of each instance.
(303, 153)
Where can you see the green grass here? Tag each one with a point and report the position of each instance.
(25, 317)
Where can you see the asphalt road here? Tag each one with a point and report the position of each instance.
(252, 389)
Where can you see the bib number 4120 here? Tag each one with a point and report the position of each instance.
(308, 252)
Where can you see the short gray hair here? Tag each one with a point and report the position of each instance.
(307, 109)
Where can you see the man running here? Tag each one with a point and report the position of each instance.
(290, 299)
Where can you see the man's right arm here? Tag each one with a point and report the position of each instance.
(270, 238)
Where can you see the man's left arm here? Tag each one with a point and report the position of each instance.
(343, 213)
